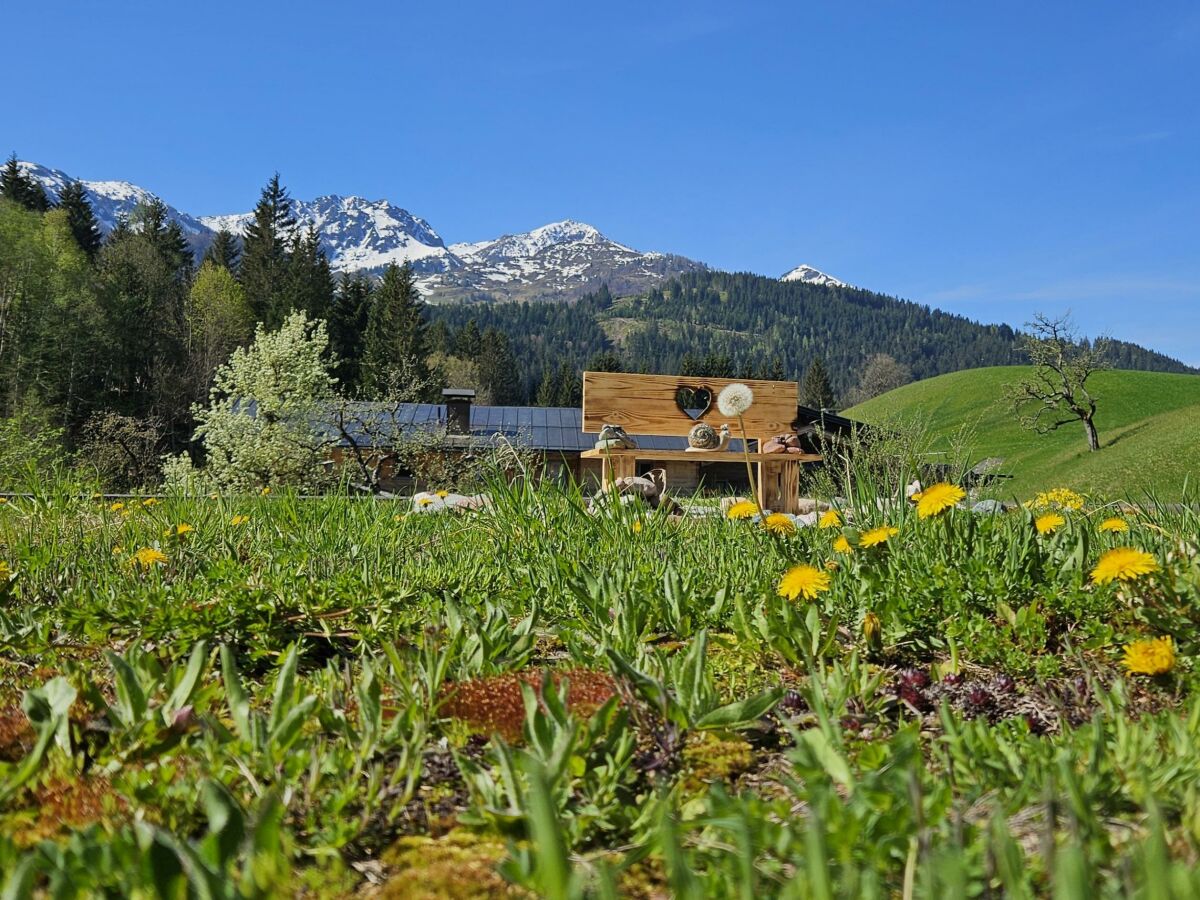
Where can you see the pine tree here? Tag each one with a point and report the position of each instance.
(438, 338)
(605, 361)
(265, 251)
(16, 186)
(224, 251)
(498, 368)
(548, 389)
(310, 284)
(570, 385)
(82, 220)
(152, 220)
(348, 327)
(468, 341)
(394, 345)
(774, 371)
(815, 390)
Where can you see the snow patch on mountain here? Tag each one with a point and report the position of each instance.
(809, 275)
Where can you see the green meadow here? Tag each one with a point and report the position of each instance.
(1149, 424)
(267, 696)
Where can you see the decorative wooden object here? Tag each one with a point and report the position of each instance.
(645, 404)
(648, 404)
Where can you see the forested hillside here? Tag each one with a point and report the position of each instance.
(740, 325)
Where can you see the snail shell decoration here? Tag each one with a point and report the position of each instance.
(704, 437)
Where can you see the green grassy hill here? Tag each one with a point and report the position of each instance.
(1149, 425)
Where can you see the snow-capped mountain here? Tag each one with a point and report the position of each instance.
(562, 260)
(360, 234)
(111, 199)
(809, 275)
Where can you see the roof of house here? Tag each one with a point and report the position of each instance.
(538, 427)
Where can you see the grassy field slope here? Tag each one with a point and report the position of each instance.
(1149, 425)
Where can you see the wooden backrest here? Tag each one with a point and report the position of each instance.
(645, 404)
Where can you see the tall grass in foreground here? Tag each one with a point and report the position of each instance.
(303, 696)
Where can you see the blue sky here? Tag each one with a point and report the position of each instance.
(993, 159)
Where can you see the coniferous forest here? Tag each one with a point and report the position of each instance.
(114, 339)
(741, 325)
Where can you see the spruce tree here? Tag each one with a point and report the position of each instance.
(438, 338)
(82, 221)
(347, 329)
(548, 389)
(468, 342)
(224, 251)
(570, 385)
(605, 361)
(16, 186)
(265, 250)
(498, 368)
(815, 390)
(394, 345)
(310, 284)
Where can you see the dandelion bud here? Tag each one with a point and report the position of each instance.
(872, 631)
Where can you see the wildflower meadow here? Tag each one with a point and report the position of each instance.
(265, 695)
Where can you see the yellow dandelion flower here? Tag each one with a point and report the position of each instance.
(1123, 564)
(424, 501)
(830, 519)
(116, 507)
(3, 500)
(1058, 498)
(779, 523)
(743, 509)
(150, 501)
(842, 545)
(1113, 525)
(937, 498)
(443, 494)
(637, 526)
(239, 520)
(1049, 523)
(179, 530)
(877, 536)
(1155, 656)
(148, 557)
(264, 492)
(803, 581)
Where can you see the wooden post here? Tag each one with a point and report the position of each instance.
(616, 466)
(779, 485)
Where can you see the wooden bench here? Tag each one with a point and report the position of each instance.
(646, 405)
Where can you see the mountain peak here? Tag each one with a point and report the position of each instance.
(808, 275)
(558, 260)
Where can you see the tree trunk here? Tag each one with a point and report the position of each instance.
(1093, 438)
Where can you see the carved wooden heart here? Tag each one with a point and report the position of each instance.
(694, 402)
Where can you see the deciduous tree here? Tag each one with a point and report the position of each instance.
(1057, 393)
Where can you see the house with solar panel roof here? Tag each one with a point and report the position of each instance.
(556, 433)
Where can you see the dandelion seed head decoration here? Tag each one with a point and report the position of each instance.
(734, 400)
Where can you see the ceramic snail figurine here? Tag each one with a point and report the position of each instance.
(703, 437)
(613, 437)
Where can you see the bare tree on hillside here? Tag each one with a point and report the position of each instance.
(1057, 394)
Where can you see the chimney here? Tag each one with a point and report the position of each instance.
(458, 409)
